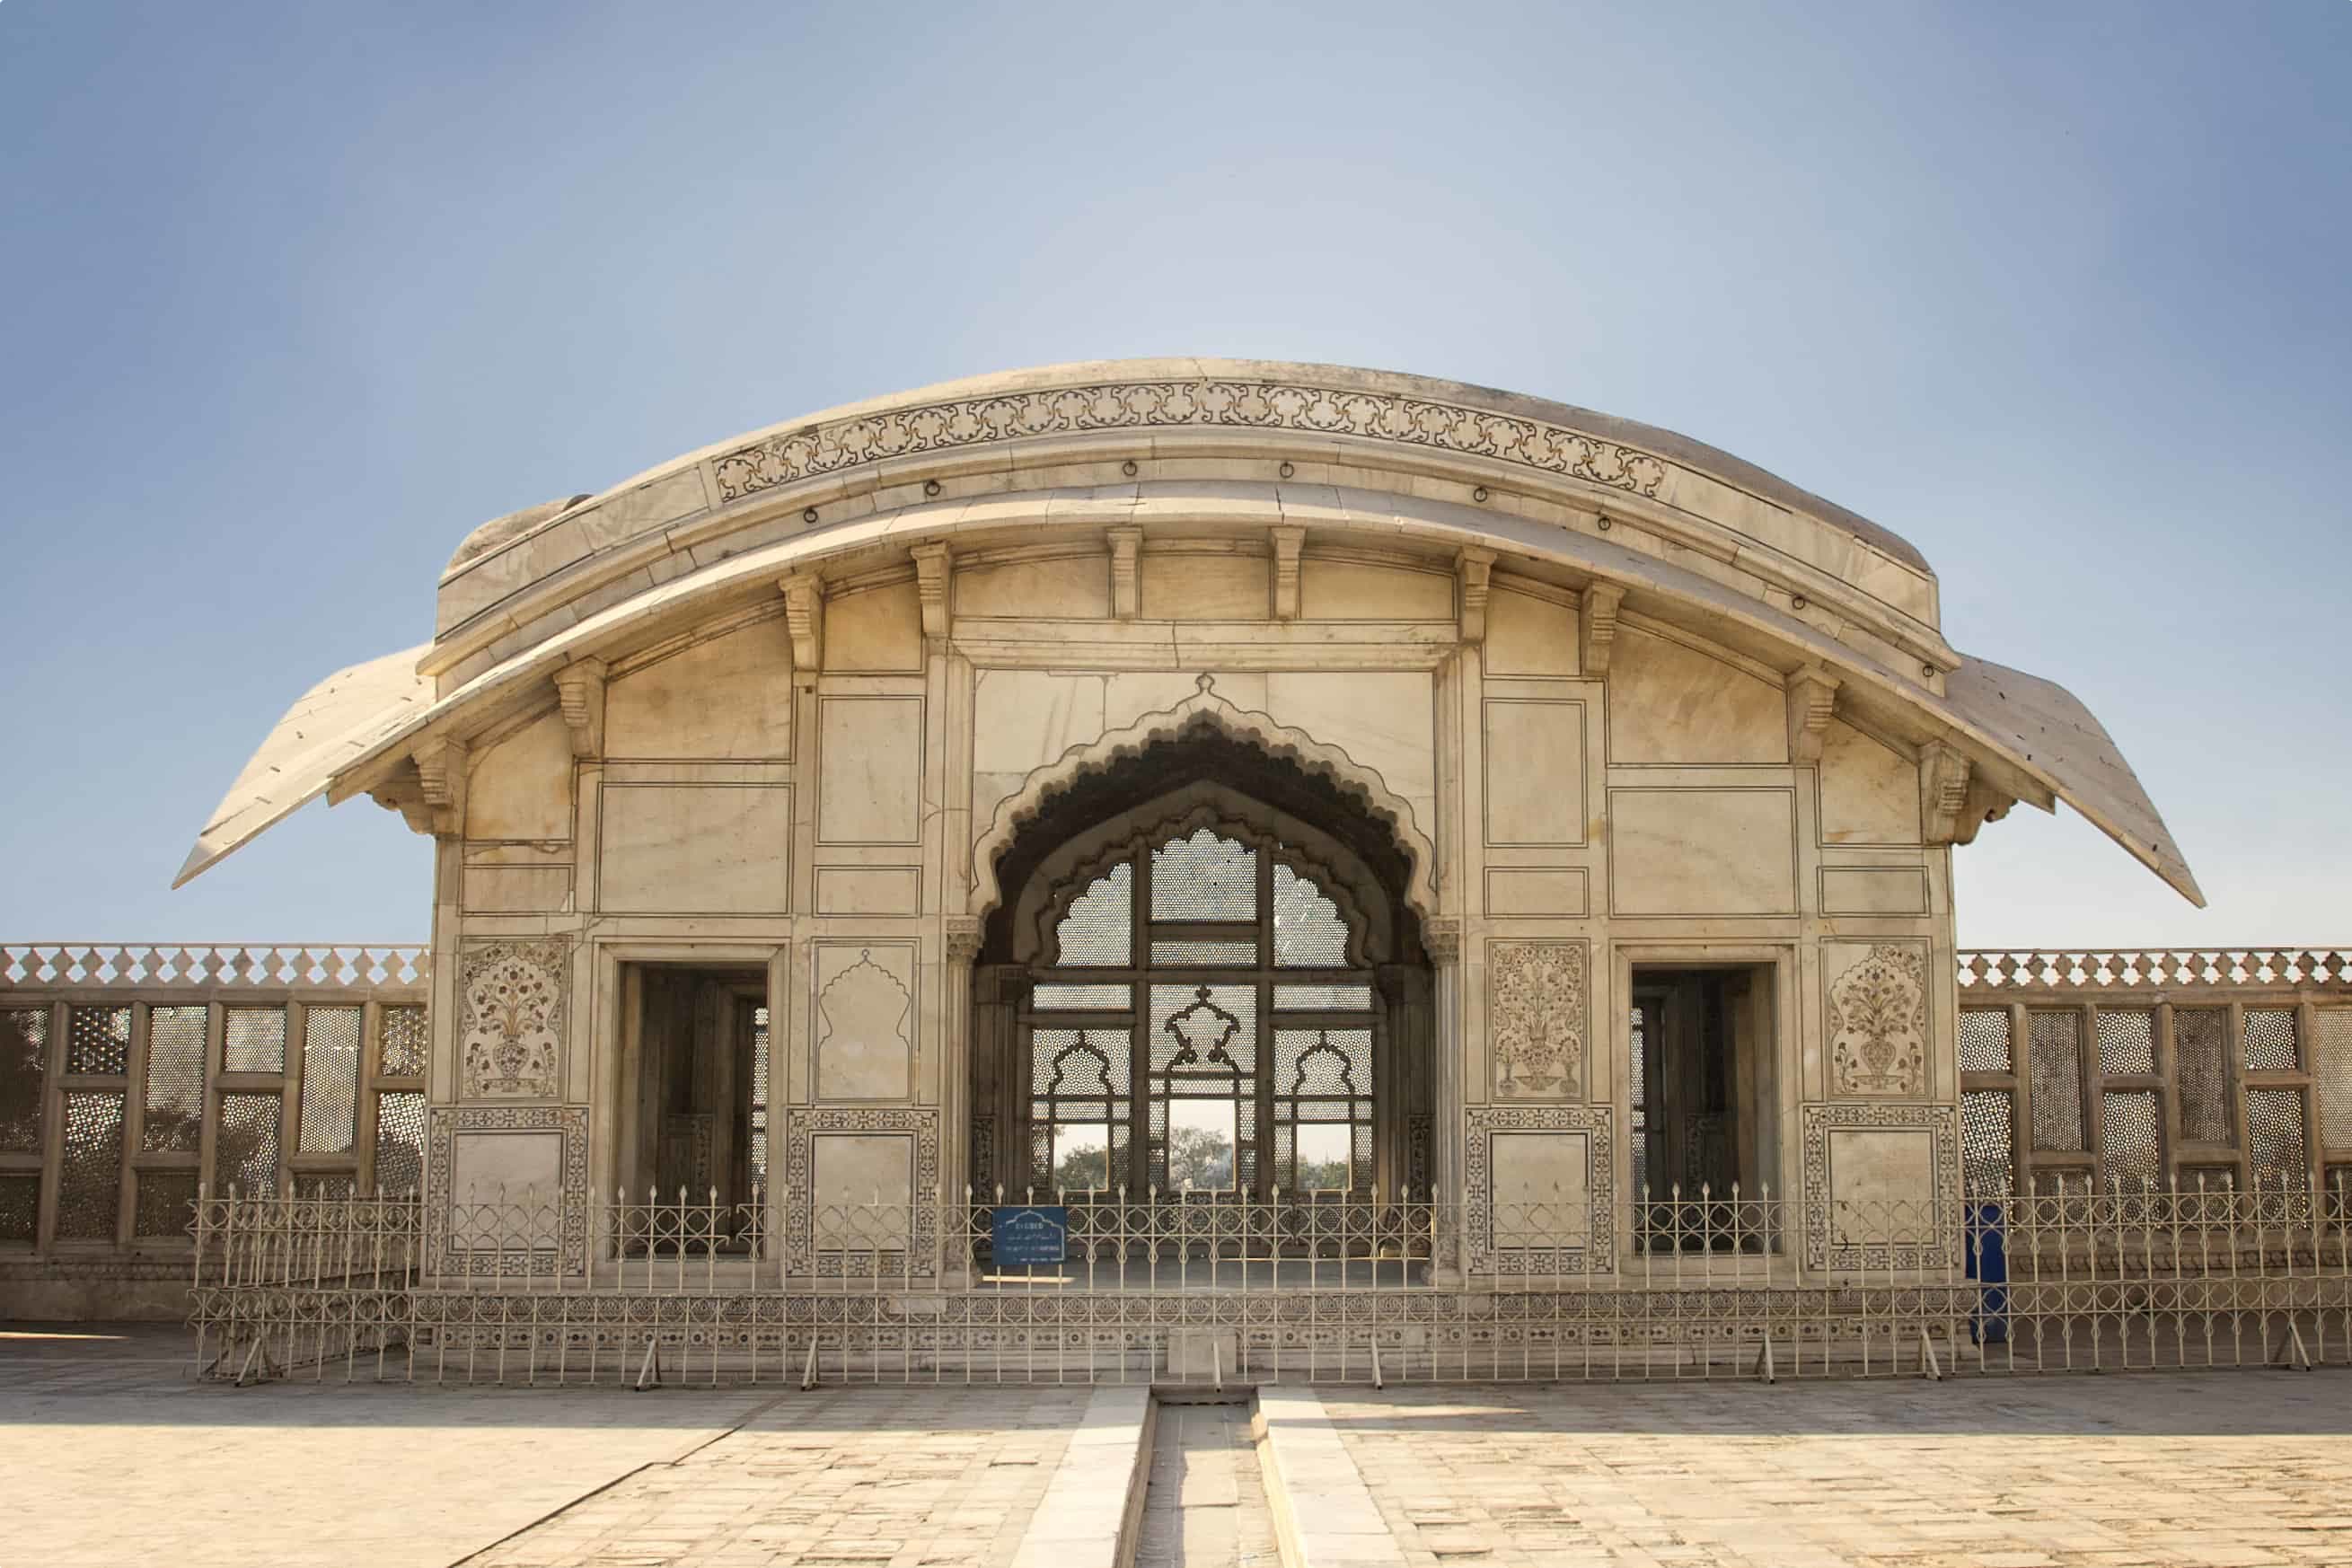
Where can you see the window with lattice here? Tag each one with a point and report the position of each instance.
(1202, 1025)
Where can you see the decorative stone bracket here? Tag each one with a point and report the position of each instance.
(1126, 542)
(429, 794)
(1813, 703)
(1954, 800)
(1475, 569)
(804, 619)
(580, 688)
(1599, 620)
(934, 567)
(1287, 543)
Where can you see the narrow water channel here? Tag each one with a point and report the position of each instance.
(1205, 1506)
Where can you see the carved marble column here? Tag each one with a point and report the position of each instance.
(963, 945)
(1442, 939)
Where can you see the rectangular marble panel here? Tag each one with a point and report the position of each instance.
(1869, 792)
(1670, 704)
(521, 787)
(731, 696)
(1184, 586)
(1528, 635)
(876, 630)
(516, 889)
(1874, 891)
(1702, 852)
(695, 850)
(1549, 1172)
(1070, 587)
(1364, 591)
(1883, 1172)
(863, 1182)
(869, 889)
(870, 770)
(1534, 890)
(485, 1164)
(1535, 771)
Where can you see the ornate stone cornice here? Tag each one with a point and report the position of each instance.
(1186, 403)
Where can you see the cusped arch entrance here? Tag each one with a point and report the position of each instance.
(1202, 975)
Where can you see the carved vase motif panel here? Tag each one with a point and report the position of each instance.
(1876, 1022)
(1536, 995)
(510, 997)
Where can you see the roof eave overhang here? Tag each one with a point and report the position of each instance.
(2035, 742)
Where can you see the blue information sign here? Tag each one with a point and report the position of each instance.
(1029, 1233)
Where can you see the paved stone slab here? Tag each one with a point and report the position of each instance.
(131, 1463)
(2139, 1471)
(1077, 1523)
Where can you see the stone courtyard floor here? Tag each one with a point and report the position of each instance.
(109, 1456)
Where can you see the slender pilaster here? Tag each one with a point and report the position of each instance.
(962, 946)
(1442, 939)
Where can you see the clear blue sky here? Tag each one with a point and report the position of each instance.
(296, 294)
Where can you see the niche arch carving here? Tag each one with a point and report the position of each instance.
(1205, 710)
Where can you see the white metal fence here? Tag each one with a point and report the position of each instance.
(529, 1289)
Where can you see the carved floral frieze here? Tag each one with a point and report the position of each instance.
(510, 997)
(1536, 995)
(1877, 1022)
(1186, 403)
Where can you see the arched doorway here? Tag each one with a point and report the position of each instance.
(1203, 981)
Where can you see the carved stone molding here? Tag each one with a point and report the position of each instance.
(804, 619)
(1189, 403)
(1204, 707)
(1875, 1018)
(1903, 1229)
(1548, 1237)
(580, 688)
(1537, 1007)
(1476, 568)
(1601, 601)
(466, 1221)
(1442, 939)
(844, 1233)
(963, 938)
(1813, 703)
(511, 1010)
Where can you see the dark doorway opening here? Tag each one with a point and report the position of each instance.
(695, 1072)
(1704, 1105)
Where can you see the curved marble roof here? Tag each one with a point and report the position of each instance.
(1687, 531)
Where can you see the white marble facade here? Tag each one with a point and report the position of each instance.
(1624, 704)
